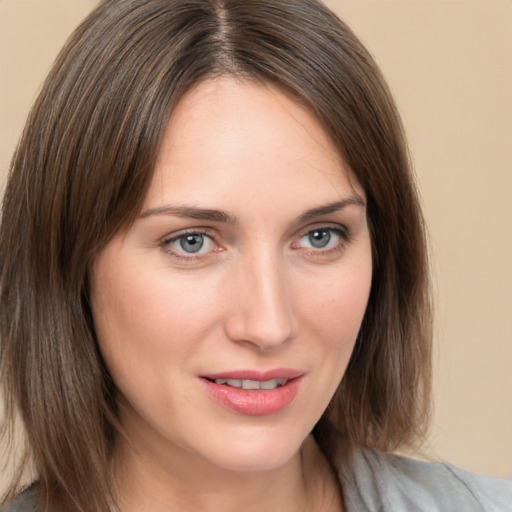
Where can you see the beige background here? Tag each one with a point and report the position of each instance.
(449, 63)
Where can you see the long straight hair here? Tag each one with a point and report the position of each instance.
(81, 172)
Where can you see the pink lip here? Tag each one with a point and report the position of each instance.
(277, 373)
(254, 402)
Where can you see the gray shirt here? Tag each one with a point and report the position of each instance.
(380, 482)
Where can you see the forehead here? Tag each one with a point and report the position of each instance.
(228, 136)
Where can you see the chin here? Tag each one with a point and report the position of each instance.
(255, 451)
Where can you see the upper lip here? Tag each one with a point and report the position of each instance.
(277, 373)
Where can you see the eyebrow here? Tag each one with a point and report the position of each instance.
(191, 212)
(354, 200)
(208, 214)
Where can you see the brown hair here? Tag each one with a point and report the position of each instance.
(82, 169)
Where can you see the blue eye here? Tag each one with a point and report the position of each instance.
(323, 238)
(190, 243)
(319, 238)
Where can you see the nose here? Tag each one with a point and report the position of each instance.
(261, 312)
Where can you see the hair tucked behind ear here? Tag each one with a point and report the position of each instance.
(81, 172)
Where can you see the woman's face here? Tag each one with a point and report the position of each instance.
(227, 313)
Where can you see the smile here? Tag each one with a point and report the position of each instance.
(252, 384)
(254, 393)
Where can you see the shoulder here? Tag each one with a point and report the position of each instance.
(375, 481)
(25, 502)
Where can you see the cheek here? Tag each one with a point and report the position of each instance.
(333, 308)
(145, 321)
(336, 304)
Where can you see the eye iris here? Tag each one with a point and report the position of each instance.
(192, 243)
(319, 238)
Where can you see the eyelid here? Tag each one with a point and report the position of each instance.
(187, 231)
(342, 231)
(339, 228)
(165, 243)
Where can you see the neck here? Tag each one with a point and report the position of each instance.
(158, 482)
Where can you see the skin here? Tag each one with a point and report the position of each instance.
(257, 295)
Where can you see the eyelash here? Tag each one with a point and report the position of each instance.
(343, 234)
(166, 244)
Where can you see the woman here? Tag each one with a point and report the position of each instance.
(214, 282)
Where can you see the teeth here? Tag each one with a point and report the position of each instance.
(269, 384)
(252, 384)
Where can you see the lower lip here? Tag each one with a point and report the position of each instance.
(253, 402)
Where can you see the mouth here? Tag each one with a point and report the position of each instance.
(249, 384)
(254, 393)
